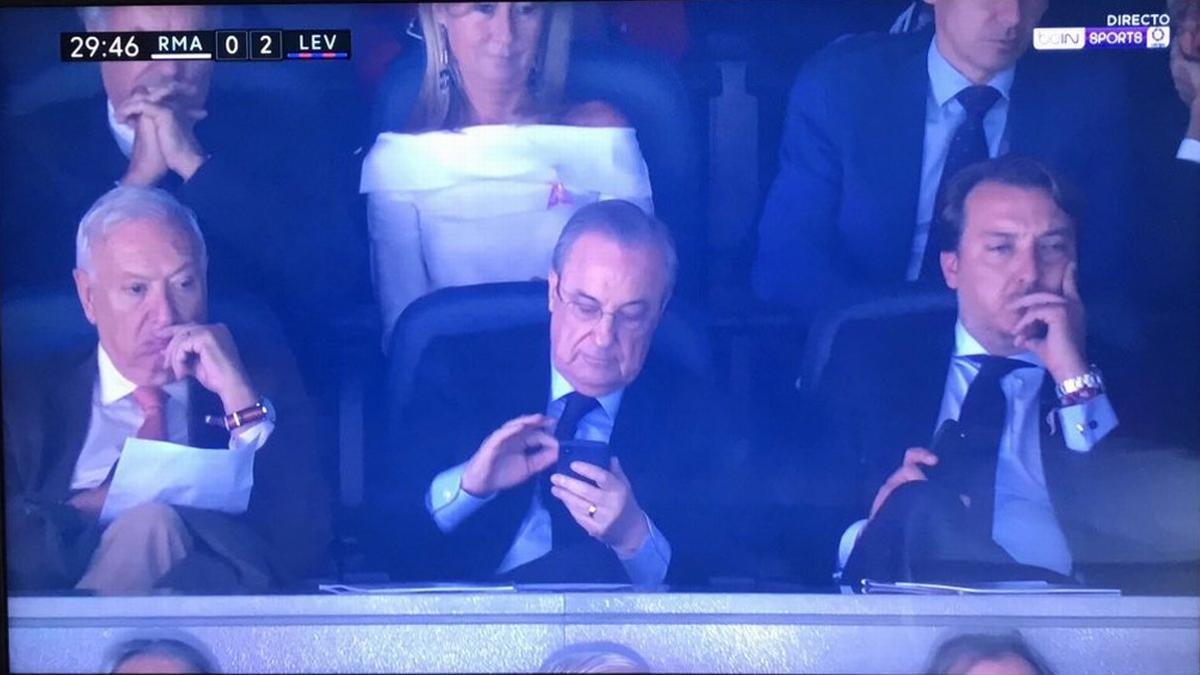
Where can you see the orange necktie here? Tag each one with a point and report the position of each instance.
(152, 401)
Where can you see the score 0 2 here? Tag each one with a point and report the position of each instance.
(256, 45)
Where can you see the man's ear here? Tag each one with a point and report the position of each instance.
(551, 285)
(949, 261)
(83, 287)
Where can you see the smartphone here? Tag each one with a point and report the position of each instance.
(947, 444)
(592, 452)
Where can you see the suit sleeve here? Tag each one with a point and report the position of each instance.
(290, 504)
(1110, 186)
(795, 263)
(847, 472)
(438, 428)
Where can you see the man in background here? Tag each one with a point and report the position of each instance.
(271, 188)
(878, 124)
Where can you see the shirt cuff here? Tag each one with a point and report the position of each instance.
(251, 437)
(648, 566)
(448, 503)
(1189, 150)
(849, 539)
(1085, 424)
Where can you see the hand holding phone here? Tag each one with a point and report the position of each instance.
(593, 452)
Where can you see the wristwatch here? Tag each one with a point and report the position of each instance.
(240, 418)
(1080, 388)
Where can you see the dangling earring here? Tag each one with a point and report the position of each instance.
(445, 75)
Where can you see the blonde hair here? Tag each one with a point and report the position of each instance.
(437, 106)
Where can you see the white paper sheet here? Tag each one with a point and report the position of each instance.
(982, 588)
(401, 589)
(157, 471)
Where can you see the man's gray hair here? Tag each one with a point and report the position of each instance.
(95, 18)
(125, 203)
(623, 222)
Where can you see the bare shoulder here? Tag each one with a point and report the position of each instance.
(594, 114)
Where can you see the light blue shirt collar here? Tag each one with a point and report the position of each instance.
(559, 387)
(965, 344)
(945, 81)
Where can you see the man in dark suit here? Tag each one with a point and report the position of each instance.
(877, 123)
(1170, 249)
(272, 186)
(161, 372)
(491, 414)
(1012, 371)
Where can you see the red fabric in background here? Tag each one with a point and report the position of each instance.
(658, 25)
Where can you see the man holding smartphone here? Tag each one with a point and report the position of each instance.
(644, 430)
(1012, 370)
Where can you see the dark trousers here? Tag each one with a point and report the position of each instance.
(586, 561)
(924, 533)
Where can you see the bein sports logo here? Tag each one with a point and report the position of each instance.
(1114, 37)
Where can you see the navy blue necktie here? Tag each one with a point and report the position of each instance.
(968, 146)
(563, 528)
(982, 419)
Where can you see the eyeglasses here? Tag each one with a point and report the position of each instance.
(589, 312)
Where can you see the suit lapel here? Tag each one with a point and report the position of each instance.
(1026, 112)
(103, 147)
(628, 440)
(916, 400)
(1053, 448)
(896, 144)
(67, 425)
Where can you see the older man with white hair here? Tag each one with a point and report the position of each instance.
(161, 372)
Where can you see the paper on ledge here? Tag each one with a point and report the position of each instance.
(400, 589)
(983, 588)
(180, 475)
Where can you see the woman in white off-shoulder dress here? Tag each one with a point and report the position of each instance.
(494, 162)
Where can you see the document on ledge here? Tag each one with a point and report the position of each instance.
(401, 589)
(218, 479)
(986, 588)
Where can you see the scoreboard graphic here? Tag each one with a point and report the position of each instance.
(218, 45)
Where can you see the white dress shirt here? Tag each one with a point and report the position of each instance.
(1024, 523)
(123, 134)
(943, 115)
(1189, 150)
(450, 505)
(116, 417)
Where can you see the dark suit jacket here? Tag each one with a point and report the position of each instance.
(47, 410)
(668, 434)
(881, 393)
(838, 222)
(274, 201)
